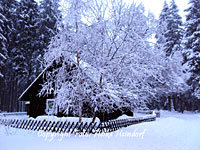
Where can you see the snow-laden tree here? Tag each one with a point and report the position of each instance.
(162, 25)
(2, 64)
(105, 45)
(8, 90)
(67, 47)
(174, 31)
(169, 29)
(50, 17)
(7, 8)
(169, 36)
(3, 40)
(115, 42)
(119, 46)
(192, 45)
(27, 43)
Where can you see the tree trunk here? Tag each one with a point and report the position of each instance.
(169, 103)
(13, 95)
(1, 94)
(182, 104)
(10, 96)
(79, 89)
(17, 95)
(199, 105)
(172, 104)
(80, 111)
(95, 114)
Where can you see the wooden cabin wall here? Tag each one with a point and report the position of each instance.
(37, 108)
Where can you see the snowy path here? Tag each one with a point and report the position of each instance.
(173, 131)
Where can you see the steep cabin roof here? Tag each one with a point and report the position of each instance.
(34, 88)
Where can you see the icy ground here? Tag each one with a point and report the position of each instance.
(173, 131)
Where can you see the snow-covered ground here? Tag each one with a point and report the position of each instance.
(173, 131)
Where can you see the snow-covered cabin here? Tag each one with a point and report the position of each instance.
(41, 105)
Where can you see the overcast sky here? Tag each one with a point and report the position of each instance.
(155, 6)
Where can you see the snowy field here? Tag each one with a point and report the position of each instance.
(173, 131)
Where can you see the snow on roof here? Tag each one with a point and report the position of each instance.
(89, 70)
(33, 82)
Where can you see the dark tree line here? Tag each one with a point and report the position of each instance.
(26, 29)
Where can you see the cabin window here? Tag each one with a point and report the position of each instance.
(51, 108)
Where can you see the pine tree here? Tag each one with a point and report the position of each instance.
(7, 15)
(2, 64)
(162, 25)
(50, 16)
(8, 90)
(3, 40)
(27, 41)
(169, 38)
(7, 8)
(169, 30)
(174, 32)
(192, 45)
